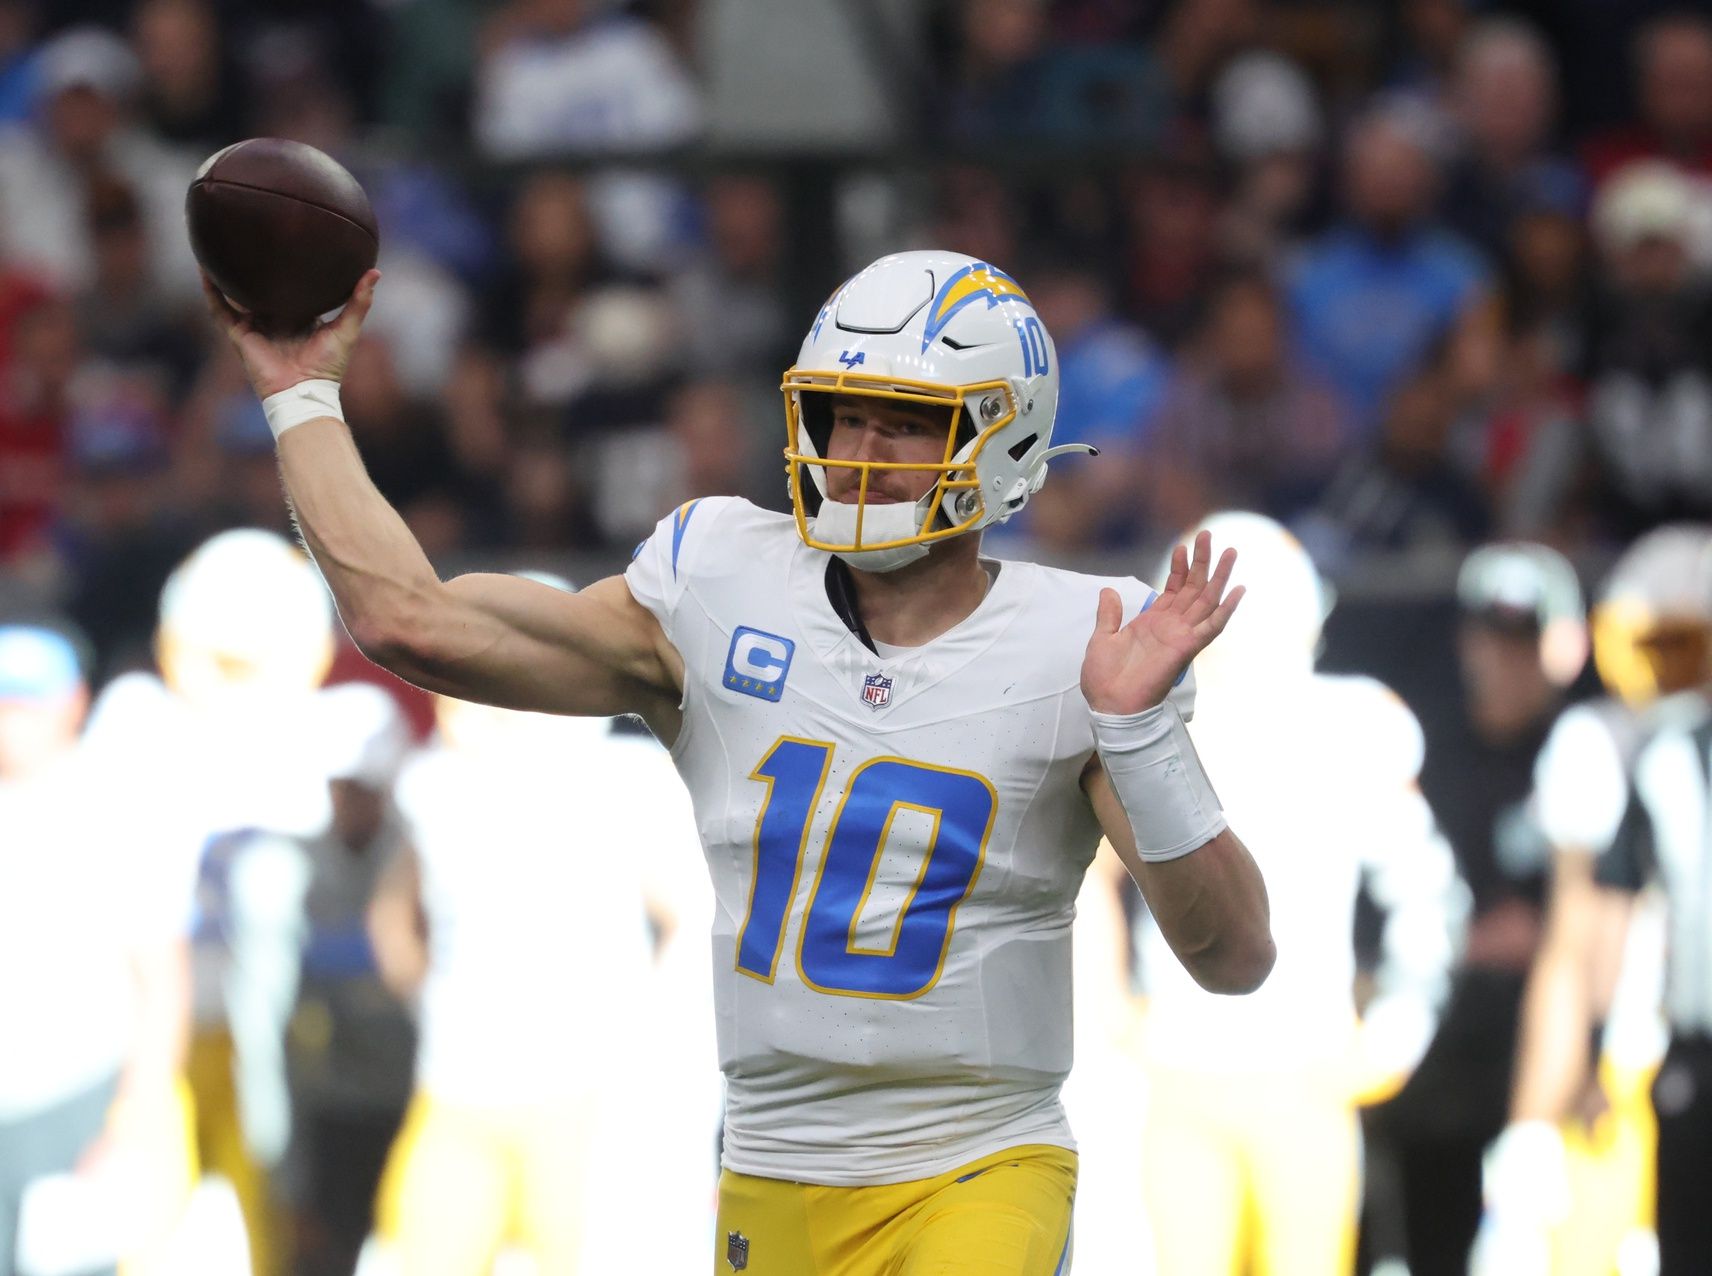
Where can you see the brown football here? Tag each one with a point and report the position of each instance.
(281, 228)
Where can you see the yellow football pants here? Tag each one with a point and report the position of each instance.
(1251, 1172)
(1611, 1172)
(220, 1145)
(1004, 1215)
(462, 1182)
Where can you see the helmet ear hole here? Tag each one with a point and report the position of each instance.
(965, 430)
(1021, 448)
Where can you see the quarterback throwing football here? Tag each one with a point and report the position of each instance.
(902, 756)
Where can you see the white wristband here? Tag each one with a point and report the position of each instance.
(305, 401)
(1156, 774)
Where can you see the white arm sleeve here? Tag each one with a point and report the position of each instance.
(1580, 788)
(1411, 876)
(270, 879)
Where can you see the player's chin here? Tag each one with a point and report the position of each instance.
(852, 496)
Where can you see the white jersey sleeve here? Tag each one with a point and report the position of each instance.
(130, 721)
(536, 928)
(1580, 784)
(662, 566)
(1411, 876)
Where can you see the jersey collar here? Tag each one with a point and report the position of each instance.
(916, 668)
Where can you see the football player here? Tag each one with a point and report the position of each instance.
(901, 755)
(515, 1120)
(1568, 1184)
(94, 990)
(1251, 1141)
(230, 729)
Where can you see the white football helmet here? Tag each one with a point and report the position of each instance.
(1276, 631)
(933, 328)
(247, 614)
(1652, 624)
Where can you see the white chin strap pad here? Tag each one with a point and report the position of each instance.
(836, 524)
(882, 560)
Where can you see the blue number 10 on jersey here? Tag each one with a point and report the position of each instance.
(960, 806)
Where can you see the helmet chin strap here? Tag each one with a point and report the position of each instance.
(836, 522)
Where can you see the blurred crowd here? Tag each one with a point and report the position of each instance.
(1419, 277)
(1401, 276)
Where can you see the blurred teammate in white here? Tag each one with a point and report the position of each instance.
(94, 989)
(1250, 1142)
(229, 730)
(529, 1074)
(901, 755)
(1568, 1184)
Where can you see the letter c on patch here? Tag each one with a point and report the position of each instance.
(757, 663)
(759, 656)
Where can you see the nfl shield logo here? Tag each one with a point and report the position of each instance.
(737, 1250)
(876, 690)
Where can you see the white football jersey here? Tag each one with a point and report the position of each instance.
(1581, 788)
(1319, 773)
(252, 767)
(531, 883)
(88, 873)
(1581, 778)
(895, 843)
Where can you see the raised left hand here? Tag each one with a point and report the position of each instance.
(1133, 667)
